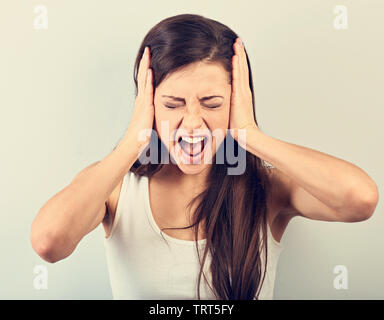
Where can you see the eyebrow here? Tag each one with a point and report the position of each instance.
(183, 100)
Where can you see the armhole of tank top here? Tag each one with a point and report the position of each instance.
(120, 205)
(279, 245)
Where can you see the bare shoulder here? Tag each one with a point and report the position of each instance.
(278, 202)
(111, 208)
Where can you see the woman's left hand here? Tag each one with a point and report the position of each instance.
(241, 110)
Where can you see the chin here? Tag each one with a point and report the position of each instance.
(193, 169)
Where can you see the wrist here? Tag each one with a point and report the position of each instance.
(129, 145)
(137, 139)
(247, 133)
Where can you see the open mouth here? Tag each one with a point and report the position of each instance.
(192, 146)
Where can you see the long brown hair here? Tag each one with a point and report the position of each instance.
(232, 209)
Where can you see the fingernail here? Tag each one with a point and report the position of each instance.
(241, 42)
(145, 50)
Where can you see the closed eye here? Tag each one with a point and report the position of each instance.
(211, 107)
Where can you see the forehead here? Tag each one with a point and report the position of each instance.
(198, 76)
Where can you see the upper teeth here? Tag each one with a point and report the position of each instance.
(192, 140)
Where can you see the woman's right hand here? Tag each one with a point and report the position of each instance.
(141, 122)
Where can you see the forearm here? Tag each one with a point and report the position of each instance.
(333, 181)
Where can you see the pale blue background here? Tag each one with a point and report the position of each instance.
(66, 97)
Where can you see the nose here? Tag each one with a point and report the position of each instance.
(192, 119)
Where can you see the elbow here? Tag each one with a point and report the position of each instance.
(49, 245)
(363, 203)
(44, 247)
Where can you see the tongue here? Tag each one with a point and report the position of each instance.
(191, 148)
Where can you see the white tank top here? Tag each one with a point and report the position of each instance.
(145, 263)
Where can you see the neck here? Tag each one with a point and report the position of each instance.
(186, 182)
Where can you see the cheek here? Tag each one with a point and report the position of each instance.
(220, 120)
(165, 126)
(224, 114)
(160, 116)
(220, 125)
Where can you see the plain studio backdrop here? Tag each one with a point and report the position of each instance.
(67, 94)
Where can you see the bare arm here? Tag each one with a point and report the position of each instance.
(80, 207)
(313, 184)
(318, 186)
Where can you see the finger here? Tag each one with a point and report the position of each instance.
(149, 87)
(243, 64)
(237, 66)
(235, 73)
(245, 69)
(141, 75)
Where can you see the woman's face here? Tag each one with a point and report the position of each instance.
(193, 104)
